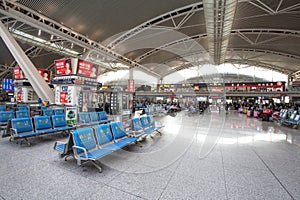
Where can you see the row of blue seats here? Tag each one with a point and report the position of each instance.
(3, 107)
(145, 125)
(292, 121)
(8, 115)
(89, 144)
(93, 143)
(23, 128)
(93, 118)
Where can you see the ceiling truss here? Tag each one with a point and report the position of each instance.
(14, 11)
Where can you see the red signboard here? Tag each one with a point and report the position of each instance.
(63, 66)
(87, 69)
(18, 73)
(64, 97)
(19, 96)
(130, 86)
(44, 73)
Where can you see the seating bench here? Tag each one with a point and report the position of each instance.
(90, 146)
(5, 117)
(43, 124)
(84, 119)
(22, 113)
(22, 128)
(103, 117)
(85, 147)
(64, 148)
(146, 124)
(47, 112)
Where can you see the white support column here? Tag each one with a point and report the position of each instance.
(37, 82)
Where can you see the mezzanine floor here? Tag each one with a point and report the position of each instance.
(211, 156)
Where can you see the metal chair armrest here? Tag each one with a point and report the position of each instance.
(76, 155)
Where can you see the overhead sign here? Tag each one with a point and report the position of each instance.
(6, 84)
(63, 66)
(87, 69)
(63, 81)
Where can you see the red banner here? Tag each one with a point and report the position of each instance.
(45, 74)
(130, 86)
(63, 66)
(19, 96)
(87, 69)
(18, 73)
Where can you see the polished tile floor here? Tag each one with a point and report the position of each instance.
(211, 156)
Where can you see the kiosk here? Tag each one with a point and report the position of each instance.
(75, 85)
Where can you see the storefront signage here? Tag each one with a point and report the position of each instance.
(63, 81)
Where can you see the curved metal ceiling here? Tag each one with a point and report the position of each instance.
(140, 33)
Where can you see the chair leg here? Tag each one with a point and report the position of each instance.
(97, 166)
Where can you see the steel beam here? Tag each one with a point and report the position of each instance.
(28, 16)
(38, 83)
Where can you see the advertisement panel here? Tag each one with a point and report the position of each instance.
(63, 66)
(71, 115)
(18, 73)
(63, 97)
(87, 69)
(130, 86)
(45, 74)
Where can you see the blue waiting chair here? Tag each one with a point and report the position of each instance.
(43, 124)
(22, 113)
(60, 124)
(103, 117)
(94, 118)
(21, 129)
(85, 147)
(64, 148)
(5, 116)
(47, 112)
(84, 118)
(121, 138)
(58, 111)
(2, 107)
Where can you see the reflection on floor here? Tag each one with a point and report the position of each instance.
(210, 156)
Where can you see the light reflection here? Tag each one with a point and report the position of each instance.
(268, 137)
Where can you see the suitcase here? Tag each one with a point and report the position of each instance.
(255, 114)
(249, 113)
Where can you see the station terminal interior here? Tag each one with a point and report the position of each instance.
(136, 99)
